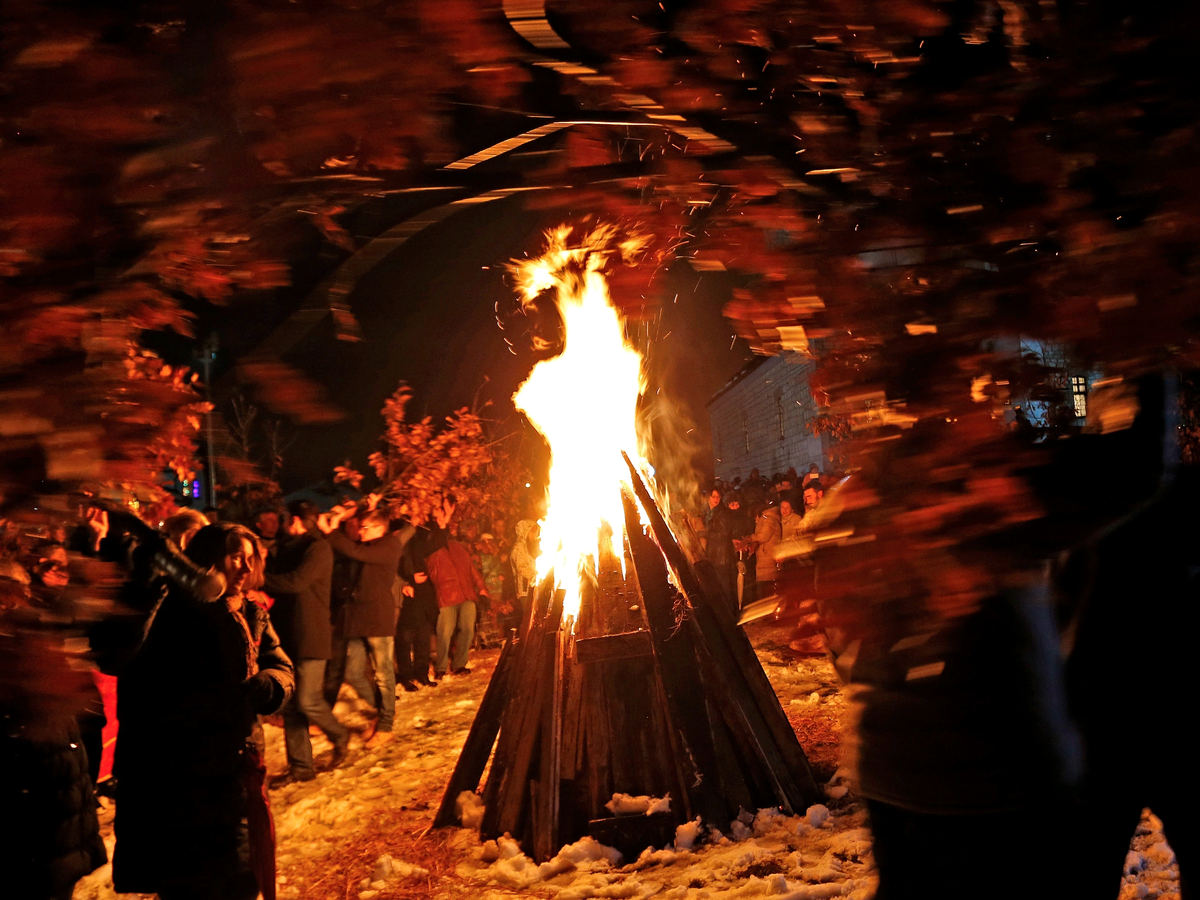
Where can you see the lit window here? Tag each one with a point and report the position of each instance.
(1079, 395)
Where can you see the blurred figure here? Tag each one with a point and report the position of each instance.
(46, 792)
(524, 562)
(371, 615)
(192, 819)
(183, 526)
(1134, 595)
(266, 526)
(300, 577)
(813, 474)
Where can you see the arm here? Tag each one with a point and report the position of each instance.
(386, 551)
(273, 685)
(318, 561)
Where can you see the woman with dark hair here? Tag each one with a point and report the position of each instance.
(192, 816)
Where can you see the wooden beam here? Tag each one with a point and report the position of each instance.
(629, 645)
(733, 655)
(472, 759)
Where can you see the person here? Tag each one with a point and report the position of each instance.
(719, 546)
(767, 532)
(183, 526)
(789, 521)
(345, 577)
(814, 493)
(192, 817)
(813, 474)
(524, 561)
(266, 526)
(418, 618)
(300, 578)
(46, 792)
(371, 614)
(492, 570)
(458, 585)
(48, 590)
(1132, 593)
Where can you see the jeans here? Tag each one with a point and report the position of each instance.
(460, 618)
(308, 707)
(335, 671)
(383, 658)
(412, 652)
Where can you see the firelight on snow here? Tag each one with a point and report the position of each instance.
(584, 403)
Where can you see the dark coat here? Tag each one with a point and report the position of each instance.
(187, 703)
(454, 576)
(52, 836)
(721, 525)
(375, 606)
(301, 587)
(422, 607)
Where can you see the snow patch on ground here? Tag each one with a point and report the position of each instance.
(624, 804)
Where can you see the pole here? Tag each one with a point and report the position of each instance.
(210, 353)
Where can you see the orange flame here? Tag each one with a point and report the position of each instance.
(584, 403)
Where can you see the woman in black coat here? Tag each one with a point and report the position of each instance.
(192, 818)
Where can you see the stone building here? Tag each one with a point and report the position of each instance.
(760, 419)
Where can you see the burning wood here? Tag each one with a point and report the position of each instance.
(619, 682)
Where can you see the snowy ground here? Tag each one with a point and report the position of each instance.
(363, 831)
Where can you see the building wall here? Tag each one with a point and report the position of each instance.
(758, 420)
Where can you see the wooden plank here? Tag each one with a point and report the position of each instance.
(505, 793)
(473, 757)
(597, 749)
(629, 645)
(733, 656)
(546, 837)
(632, 834)
(675, 662)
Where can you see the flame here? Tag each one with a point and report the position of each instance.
(584, 403)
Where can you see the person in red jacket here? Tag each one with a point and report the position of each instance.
(458, 584)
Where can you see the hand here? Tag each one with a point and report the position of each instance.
(420, 577)
(96, 521)
(408, 591)
(259, 691)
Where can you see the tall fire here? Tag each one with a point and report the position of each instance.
(584, 403)
(629, 674)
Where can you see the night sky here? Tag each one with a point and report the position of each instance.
(428, 316)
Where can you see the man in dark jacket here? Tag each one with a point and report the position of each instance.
(299, 578)
(371, 614)
(418, 618)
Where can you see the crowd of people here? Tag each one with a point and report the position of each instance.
(205, 628)
(751, 533)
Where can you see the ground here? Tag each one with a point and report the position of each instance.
(363, 831)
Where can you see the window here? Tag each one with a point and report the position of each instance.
(779, 413)
(1079, 395)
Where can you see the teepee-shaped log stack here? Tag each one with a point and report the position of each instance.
(654, 691)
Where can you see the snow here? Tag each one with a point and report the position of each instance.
(470, 809)
(624, 804)
(393, 792)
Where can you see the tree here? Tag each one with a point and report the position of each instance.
(422, 465)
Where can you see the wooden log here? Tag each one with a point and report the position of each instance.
(632, 834)
(630, 645)
(546, 836)
(733, 655)
(506, 792)
(675, 662)
(473, 757)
